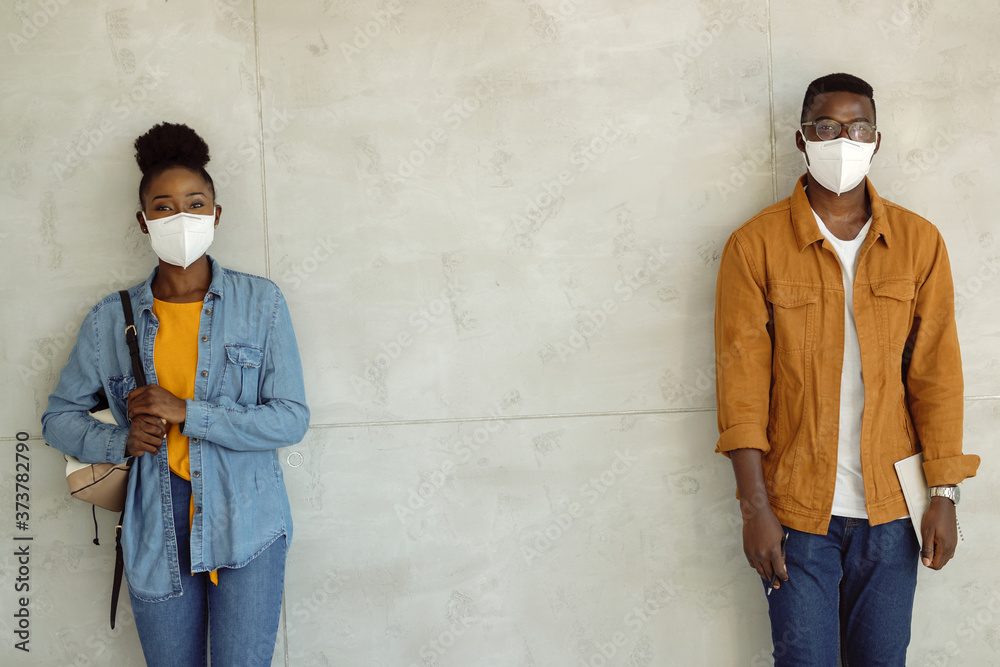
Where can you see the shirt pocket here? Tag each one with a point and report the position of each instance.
(119, 388)
(894, 305)
(242, 373)
(793, 317)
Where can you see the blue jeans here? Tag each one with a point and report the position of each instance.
(849, 596)
(240, 614)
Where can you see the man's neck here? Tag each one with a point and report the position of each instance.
(843, 215)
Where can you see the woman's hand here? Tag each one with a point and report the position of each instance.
(145, 435)
(156, 401)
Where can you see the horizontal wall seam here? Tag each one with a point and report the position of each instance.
(514, 418)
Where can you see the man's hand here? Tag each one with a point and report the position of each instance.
(145, 434)
(762, 533)
(939, 532)
(155, 400)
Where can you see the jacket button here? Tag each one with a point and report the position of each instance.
(197, 510)
(204, 374)
(204, 339)
(196, 474)
(208, 311)
(194, 439)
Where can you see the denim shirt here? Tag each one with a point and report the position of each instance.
(249, 400)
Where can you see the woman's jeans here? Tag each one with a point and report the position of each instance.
(240, 615)
(849, 595)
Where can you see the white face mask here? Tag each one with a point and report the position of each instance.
(182, 238)
(839, 165)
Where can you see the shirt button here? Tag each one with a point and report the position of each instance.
(204, 339)
(204, 374)
(196, 473)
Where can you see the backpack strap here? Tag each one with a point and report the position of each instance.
(140, 381)
(132, 340)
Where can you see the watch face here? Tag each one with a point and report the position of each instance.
(958, 494)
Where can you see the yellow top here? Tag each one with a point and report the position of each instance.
(175, 357)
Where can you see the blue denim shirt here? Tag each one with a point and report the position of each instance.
(249, 400)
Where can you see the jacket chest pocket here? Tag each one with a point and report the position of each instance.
(793, 315)
(242, 373)
(894, 304)
(118, 390)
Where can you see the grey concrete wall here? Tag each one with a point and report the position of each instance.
(497, 224)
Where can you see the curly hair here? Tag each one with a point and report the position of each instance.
(170, 145)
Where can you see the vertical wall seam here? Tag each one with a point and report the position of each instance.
(267, 254)
(260, 142)
(770, 99)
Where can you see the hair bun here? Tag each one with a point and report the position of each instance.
(170, 144)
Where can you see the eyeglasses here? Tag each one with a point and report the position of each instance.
(828, 129)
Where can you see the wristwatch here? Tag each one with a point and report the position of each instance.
(951, 492)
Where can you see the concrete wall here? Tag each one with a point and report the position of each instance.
(497, 224)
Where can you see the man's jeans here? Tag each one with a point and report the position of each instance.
(245, 606)
(849, 594)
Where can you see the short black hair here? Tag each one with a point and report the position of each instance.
(836, 83)
(169, 145)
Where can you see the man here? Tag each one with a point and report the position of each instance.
(836, 356)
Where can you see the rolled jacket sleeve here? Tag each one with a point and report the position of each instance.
(934, 384)
(742, 352)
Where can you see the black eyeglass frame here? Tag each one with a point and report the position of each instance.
(841, 126)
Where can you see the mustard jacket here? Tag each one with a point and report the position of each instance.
(779, 348)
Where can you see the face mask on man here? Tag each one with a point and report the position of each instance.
(839, 165)
(182, 238)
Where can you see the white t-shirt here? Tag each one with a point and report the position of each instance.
(849, 494)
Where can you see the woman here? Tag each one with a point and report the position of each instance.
(225, 391)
